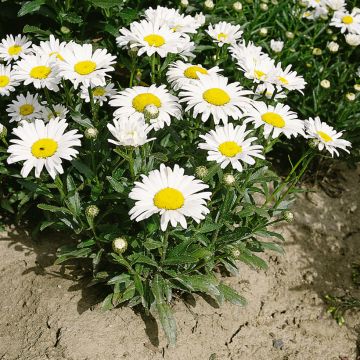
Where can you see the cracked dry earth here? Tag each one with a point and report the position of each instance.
(48, 314)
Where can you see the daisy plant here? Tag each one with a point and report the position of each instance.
(151, 136)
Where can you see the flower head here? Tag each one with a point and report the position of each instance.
(12, 47)
(42, 145)
(229, 145)
(328, 138)
(171, 194)
(224, 33)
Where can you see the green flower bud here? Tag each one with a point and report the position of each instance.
(91, 133)
(201, 172)
(288, 216)
(151, 112)
(229, 179)
(92, 211)
(65, 30)
(119, 245)
(3, 131)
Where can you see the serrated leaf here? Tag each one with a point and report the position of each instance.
(116, 185)
(30, 6)
(83, 169)
(53, 208)
(35, 30)
(167, 319)
(231, 295)
(106, 4)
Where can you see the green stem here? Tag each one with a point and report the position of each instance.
(165, 244)
(131, 163)
(49, 101)
(153, 66)
(92, 103)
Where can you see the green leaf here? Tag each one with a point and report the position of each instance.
(30, 6)
(73, 199)
(151, 244)
(46, 224)
(231, 295)
(106, 4)
(83, 169)
(167, 319)
(208, 227)
(54, 209)
(143, 259)
(116, 185)
(35, 30)
(107, 303)
(272, 246)
(252, 260)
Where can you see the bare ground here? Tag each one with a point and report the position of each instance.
(48, 314)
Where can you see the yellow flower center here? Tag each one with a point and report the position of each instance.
(324, 136)
(40, 72)
(14, 50)
(169, 199)
(58, 55)
(99, 91)
(85, 67)
(229, 148)
(283, 80)
(44, 148)
(273, 119)
(259, 74)
(216, 96)
(141, 101)
(154, 40)
(26, 109)
(191, 72)
(4, 80)
(222, 36)
(347, 19)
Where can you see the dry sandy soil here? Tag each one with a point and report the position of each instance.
(49, 314)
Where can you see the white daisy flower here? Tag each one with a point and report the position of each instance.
(53, 48)
(129, 132)
(151, 38)
(83, 66)
(24, 108)
(60, 111)
(326, 136)
(276, 120)
(39, 70)
(352, 39)
(41, 144)
(257, 69)
(7, 80)
(212, 95)
(276, 45)
(336, 5)
(224, 33)
(287, 79)
(173, 19)
(228, 145)
(12, 47)
(242, 51)
(186, 48)
(346, 21)
(181, 73)
(171, 194)
(131, 103)
(268, 90)
(101, 94)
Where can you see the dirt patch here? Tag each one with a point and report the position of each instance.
(48, 314)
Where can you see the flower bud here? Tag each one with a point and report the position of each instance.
(209, 5)
(235, 253)
(151, 112)
(289, 34)
(357, 87)
(317, 52)
(276, 46)
(201, 172)
(184, 3)
(333, 46)
(200, 19)
(350, 96)
(313, 143)
(288, 216)
(91, 133)
(264, 6)
(65, 30)
(133, 51)
(263, 31)
(325, 83)
(352, 39)
(92, 211)
(3, 131)
(119, 245)
(274, 2)
(229, 179)
(237, 6)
